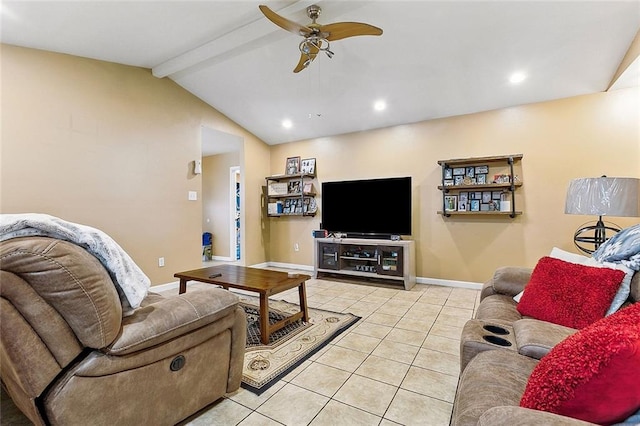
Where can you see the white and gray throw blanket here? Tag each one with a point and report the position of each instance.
(130, 281)
(623, 247)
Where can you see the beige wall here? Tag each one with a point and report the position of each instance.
(111, 146)
(584, 136)
(216, 202)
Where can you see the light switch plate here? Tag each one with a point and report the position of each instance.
(193, 195)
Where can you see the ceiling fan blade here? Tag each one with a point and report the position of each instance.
(305, 59)
(340, 30)
(284, 22)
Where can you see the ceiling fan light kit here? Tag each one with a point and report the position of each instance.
(317, 36)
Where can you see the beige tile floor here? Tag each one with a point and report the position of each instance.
(397, 366)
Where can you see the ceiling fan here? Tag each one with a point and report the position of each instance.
(317, 36)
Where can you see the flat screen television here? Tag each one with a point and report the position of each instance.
(367, 208)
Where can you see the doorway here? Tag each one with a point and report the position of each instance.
(222, 196)
(234, 215)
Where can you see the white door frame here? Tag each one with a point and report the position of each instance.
(234, 173)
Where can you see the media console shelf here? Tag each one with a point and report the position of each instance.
(387, 261)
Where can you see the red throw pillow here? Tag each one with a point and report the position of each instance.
(569, 294)
(591, 375)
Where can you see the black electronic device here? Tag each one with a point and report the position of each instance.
(369, 208)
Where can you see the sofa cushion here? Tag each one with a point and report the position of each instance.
(569, 294)
(593, 374)
(491, 379)
(623, 247)
(623, 291)
(508, 415)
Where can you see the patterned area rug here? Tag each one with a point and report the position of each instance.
(289, 346)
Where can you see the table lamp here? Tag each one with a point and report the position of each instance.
(602, 196)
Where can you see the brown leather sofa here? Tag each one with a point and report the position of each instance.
(498, 310)
(499, 349)
(70, 357)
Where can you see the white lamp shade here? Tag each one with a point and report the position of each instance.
(604, 196)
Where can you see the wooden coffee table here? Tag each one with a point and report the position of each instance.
(262, 281)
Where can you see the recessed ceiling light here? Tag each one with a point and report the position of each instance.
(287, 124)
(379, 105)
(517, 77)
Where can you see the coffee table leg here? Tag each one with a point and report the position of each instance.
(303, 302)
(183, 286)
(264, 319)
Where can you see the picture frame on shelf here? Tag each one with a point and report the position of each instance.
(482, 170)
(292, 166)
(448, 173)
(495, 195)
(308, 187)
(470, 171)
(477, 195)
(293, 187)
(486, 196)
(463, 197)
(450, 203)
(458, 179)
(481, 179)
(308, 166)
(474, 206)
(484, 207)
(502, 178)
(448, 182)
(458, 171)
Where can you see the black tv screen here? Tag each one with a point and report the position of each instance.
(368, 207)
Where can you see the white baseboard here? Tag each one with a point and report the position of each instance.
(290, 266)
(223, 258)
(449, 283)
(419, 280)
(165, 287)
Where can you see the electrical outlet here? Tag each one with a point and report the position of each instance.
(296, 247)
(161, 262)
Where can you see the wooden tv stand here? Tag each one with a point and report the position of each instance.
(385, 261)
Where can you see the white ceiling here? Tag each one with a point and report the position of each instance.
(435, 58)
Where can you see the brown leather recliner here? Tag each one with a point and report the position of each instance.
(69, 357)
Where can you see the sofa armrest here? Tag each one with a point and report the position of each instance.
(518, 416)
(507, 280)
(168, 317)
(536, 338)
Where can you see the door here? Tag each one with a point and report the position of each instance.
(328, 256)
(390, 261)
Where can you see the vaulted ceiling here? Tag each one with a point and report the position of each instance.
(435, 58)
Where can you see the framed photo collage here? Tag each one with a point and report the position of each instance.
(474, 201)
